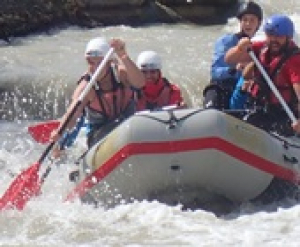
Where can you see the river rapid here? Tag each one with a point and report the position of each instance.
(37, 76)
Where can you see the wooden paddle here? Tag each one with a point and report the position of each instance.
(272, 86)
(27, 184)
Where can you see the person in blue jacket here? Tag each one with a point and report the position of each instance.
(223, 76)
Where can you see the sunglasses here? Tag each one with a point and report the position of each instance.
(94, 54)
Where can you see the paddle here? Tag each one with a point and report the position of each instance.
(41, 131)
(272, 86)
(27, 184)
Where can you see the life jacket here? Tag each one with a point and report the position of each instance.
(155, 95)
(260, 91)
(115, 104)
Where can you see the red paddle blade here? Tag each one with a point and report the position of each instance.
(41, 132)
(23, 188)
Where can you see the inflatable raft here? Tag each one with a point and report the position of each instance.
(193, 157)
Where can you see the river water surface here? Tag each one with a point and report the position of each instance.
(37, 76)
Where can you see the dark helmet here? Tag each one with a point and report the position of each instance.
(250, 8)
(279, 25)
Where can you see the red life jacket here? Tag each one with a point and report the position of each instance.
(260, 90)
(157, 95)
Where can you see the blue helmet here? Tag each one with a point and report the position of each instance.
(279, 25)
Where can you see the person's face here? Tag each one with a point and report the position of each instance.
(249, 24)
(93, 62)
(276, 43)
(151, 75)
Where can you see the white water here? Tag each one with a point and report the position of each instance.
(52, 64)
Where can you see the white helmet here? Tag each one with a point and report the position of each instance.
(149, 60)
(97, 47)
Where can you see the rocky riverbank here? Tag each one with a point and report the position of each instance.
(19, 18)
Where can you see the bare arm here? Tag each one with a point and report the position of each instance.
(248, 71)
(128, 71)
(79, 111)
(80, 108)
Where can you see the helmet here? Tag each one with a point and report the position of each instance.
(97, 47)
(279, 25)
(250, 8)
(149, 60)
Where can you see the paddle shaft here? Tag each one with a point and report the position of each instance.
(272, 86)
(78, 103)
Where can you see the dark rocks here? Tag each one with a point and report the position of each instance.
(139, 12)
(19, 18)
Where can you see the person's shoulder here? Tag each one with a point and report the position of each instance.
(226, 39)
(295, 59)
(79, 89)
(294, 52)
(293, 63)
(84, 80)
(175, 89)
(170, 84)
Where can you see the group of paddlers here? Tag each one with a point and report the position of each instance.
(123, 87)
(239, 82)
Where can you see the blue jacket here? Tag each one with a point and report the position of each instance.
(238, 98)
(219, 68)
